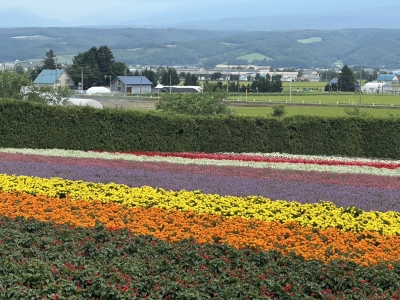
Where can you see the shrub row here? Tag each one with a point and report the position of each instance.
(29, 125)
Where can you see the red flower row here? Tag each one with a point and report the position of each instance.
(257, 158)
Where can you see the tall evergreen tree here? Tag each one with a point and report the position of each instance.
(346, 80)
(170, 77)
(49, 62)
(152, 76)
(191, 79)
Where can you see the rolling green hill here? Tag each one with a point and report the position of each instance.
(298, 49)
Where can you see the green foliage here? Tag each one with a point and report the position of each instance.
(40, 260)
(96, 64)
(11, 84)
(216, 75)
(191, 80)
(85, 128)
(207, 103)
(169, 77)
(49, 62)
(346, 80)
(267, 84)
(357, 112)
(151, 75)
(19, 87)
(278, 110)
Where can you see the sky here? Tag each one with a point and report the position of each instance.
(117, 12)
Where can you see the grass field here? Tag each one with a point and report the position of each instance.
(252, 56)
(313, 39)
(321, 98)
(322, 111)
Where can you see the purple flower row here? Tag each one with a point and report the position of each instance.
(366, 198)
(346, 179)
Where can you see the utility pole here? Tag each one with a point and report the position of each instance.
(105, 76)
(238, 82)
(55, 82)
(141, 70)
(227, 78)
(360, 84)
(125, 80)
(82, 79)
(170, 82)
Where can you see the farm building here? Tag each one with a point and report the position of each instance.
(388, 78)
(377, 88)
(131, 85)
(54, 78)
(177, 89)
(310, 75)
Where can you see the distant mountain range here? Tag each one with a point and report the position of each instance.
(177, 47)
(386, 18)
(22, 17)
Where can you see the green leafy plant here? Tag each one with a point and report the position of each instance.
(356, 112)
(278, 110)
(45, 261)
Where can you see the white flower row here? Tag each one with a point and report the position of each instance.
(201, 161)
(318, 157)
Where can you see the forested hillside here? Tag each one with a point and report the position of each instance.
(299, 49)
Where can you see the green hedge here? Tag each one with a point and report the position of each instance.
(30, 125)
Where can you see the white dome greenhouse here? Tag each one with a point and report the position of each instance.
(85, 102)
(97, 90)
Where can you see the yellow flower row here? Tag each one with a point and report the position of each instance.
(322, 215)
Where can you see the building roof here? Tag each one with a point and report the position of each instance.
(48, 76)
(134, 80)
(308, 72)
(386, 77)
(333, 81)
(311, 76)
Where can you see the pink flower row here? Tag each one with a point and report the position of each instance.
(278, 159)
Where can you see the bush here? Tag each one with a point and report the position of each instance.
(278, 110)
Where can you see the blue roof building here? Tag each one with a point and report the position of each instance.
(53, 77)
(131, 85)
(388, 78)
(334, 80)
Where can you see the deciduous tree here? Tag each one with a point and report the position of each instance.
(206, 103)
(96, 64)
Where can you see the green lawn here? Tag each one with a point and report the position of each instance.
(331, 111)
(252, 56)
(313, 39)
(320, 98)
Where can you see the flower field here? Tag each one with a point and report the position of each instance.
(100, 225)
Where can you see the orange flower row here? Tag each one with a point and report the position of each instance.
(366, 248)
